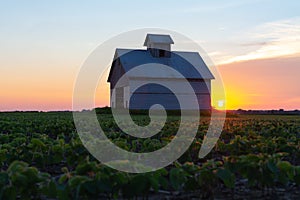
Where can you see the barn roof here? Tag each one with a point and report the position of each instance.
(158, 38)
(183, 62)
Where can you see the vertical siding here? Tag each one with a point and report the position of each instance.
(117, 73)
(119, 97)
(208, 85)
(126, 96)
(146, 96)
(145, 101)
(200, 87)
(112, 98)
(169, 101)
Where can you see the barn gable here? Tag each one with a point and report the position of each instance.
(116, 72)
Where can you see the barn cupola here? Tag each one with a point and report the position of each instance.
(159, 45)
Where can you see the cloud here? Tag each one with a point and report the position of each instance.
(215, 53)
(216, 6)
(269, 40)
(254, 44)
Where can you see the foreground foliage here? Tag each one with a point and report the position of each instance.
(41, 156)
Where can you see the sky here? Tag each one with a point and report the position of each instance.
(255, 46)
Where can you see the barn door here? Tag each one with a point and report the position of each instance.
(120, 97)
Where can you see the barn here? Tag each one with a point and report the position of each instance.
(128, 93)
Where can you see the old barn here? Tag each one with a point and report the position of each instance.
(128, 94)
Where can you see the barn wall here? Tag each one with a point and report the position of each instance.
(112, 98)
(148, 96)
(199, 87)
(145, 101)
(116, 75)
(208, 85)
(204, 101)
(119, 97)
(126, 96)
(121, 92)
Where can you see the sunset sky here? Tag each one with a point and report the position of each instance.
(254, 44)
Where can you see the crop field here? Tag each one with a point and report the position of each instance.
(42, 157)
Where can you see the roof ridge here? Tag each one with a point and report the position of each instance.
(130, 49)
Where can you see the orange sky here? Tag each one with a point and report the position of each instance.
(262, 84)
(256, 84)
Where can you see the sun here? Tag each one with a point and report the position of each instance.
(221, 104)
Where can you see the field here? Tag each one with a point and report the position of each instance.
(42, 157)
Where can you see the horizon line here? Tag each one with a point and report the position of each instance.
(239, 109)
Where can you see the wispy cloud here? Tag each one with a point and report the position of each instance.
(269, 40)
(254, 44)
(216, 6)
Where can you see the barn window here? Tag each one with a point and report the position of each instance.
(161, 53)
